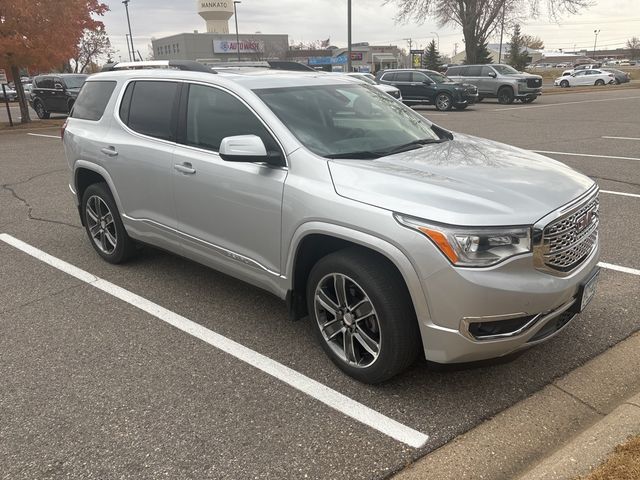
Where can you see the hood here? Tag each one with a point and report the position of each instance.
(465, 181)
(524, 75)
(386, 88)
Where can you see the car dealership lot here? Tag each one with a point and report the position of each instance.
(98, 388)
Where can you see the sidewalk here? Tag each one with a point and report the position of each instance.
(560, 432)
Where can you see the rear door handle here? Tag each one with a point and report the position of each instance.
(110, 151)
(185, 168)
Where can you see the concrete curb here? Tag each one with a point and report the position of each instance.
(541, 434)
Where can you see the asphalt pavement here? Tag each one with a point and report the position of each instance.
(94, 387)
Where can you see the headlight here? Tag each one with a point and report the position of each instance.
(473, 246)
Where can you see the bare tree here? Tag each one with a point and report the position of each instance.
(532, 41)
(94, 44)
(479, 18)
(633, 44)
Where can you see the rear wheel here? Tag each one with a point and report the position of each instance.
(599, 82)
(363, 315)
(104, 226)
(505, 95)
(443, 102)
(40, 111)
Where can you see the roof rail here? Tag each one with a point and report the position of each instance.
(186, 65)
(269, 64)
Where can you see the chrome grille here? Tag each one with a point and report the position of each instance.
(569, 240)
(534, 82)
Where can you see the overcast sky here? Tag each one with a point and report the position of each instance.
(307, 20)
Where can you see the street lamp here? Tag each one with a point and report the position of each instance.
(596, 32)
(348, 35)
(436, 34)
(235, 14)
(126, 7)
(126, 37)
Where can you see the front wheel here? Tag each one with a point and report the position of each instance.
(599, 83)
(104, 226)
(40, 111)
(564, 84)
(505, 96)
(443, 102)
(528, 100)
(363, 315)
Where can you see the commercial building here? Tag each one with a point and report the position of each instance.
(494, 52)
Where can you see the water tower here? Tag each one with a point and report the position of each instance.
(216, 13)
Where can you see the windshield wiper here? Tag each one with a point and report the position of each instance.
(365, 154)
(411, 146)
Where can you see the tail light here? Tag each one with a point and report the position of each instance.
(64, 127)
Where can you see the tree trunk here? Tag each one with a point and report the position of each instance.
(470, 44)
(22, 98)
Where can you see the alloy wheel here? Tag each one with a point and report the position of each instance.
(347, 320)
(443, 102)
(100, 224)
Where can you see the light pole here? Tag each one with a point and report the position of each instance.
(596, 32)
(235, 15)
(348, 35)
(438, 36)
(126, 37)
(126, 7)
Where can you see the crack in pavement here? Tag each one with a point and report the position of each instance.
(9, 187)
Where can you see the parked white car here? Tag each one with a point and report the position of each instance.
(585, 77)
(371, 79)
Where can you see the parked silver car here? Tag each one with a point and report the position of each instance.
(393, 234)
(499, 81)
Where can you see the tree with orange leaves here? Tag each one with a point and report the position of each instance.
(41, 34)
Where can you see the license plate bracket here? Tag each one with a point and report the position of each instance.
(586, 293)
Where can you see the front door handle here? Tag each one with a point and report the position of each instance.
(110, 151)
(185, 168)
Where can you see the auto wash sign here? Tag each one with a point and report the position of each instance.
(246, 46)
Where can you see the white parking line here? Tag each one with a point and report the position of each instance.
(564, 103)
(43, 135)
(621, 138)
(301, 382)
(587, 155)
(624, 194)
(618, 268)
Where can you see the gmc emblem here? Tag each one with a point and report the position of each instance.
(583, 221)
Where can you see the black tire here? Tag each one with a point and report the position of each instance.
(443, 102)
(125, 247)
(505, 95)
(564, 84)
(40, 110)
(528, 100)
(480, 99)
(460, 107)
(393, 313)
(599, 82)
(617, 81)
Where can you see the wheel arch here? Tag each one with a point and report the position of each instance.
(87, 173)
(314, 240)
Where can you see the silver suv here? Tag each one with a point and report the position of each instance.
(393, 235)
(499, 81)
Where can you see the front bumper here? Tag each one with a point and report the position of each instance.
(511, 290)
(466, 98)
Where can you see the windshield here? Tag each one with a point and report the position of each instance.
(439, 78)
(74, 81)
(349, 121)
(505, 70)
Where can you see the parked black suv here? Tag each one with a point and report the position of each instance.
(55, 93)
(419, 87)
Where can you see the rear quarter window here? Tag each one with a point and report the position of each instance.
(92, 100)
(153, 109)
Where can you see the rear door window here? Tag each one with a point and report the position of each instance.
(45, 82)
(389, 77)
(153, 109)
(92, 100)
(403, 76)
(473, 71)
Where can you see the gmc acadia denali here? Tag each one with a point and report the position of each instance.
(394, 235)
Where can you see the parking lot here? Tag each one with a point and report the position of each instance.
(162, 367)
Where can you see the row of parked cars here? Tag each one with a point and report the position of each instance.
(460, 86)
(591, 74)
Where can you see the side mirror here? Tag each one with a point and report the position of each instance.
(59, 86)
(492, 74)
(244, 148)
(428, 81)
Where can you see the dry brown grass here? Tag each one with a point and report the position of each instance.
(34, 125)
(623, 464)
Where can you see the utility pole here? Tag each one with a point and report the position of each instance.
(235, 16)
(504, 5)
(126, 7)
(410, 42)
(348, 35)
(596, 32)
(126, 37)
